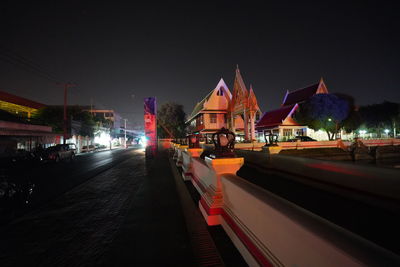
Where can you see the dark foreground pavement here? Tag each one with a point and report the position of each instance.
(129, 215)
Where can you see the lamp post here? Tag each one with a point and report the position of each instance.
(387, 133)
(224, 143)
(66, 86)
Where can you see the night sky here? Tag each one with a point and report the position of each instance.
(120, 53)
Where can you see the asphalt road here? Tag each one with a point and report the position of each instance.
(53, 179)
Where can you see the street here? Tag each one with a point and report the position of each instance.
(83, 227)
(52, 179)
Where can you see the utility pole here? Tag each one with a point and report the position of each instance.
(66, 86)
(125, 134)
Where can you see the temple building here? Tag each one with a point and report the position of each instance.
(280, 121)
(220, 108)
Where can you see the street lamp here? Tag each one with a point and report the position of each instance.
(224, 143)
(387, 132)
(362, 132)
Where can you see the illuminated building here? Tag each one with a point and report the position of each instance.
(16, 130)
(110, 115)
(19, 106)
(280, 121)
(238, 112)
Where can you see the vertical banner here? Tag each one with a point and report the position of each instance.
(150, 120)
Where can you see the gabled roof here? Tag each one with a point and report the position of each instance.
(300, 95)
(200, 105)
(303, 94)
(7, 97)
(276, 117)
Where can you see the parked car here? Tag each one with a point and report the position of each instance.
(61, 152)
(88, 148)
(16, 185)
(302, 139)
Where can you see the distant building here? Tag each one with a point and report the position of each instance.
(19, 106)
(112, 116)
(17, 130)
(237, 112)
(280, 121)
(108, 114)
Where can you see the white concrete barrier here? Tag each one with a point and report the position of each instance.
(319, 144)
(187, 161)
(270, 231)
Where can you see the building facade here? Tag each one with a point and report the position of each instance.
(237, 112)
(280, 121)
(19, 106)
(18, 129)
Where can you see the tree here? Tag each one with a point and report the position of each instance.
(378, 117)
(353, 120)
(53, 116)
(171, 117)
(325, 112)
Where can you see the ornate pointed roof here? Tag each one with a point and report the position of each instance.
(253, 105)
(240, 93)
(305, 93)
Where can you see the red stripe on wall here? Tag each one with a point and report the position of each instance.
(253, 249)
(210, 211)
(198, 183)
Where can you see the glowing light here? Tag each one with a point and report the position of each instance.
(387, 131)
(103, 139)
(143, 141)
(362, 131)
(329, 119)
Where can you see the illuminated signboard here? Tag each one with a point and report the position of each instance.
(150, 120)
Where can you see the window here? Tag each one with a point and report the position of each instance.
(213, 118)
(220, 92)
(299, 132)
(287, 132)
(199, 120)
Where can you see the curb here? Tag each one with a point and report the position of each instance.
(204, 249)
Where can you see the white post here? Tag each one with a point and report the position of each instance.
(252, 126)
(125, 134)
(246, 125)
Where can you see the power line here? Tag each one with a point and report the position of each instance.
(10, 56)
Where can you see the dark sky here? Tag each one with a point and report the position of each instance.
(120, 53)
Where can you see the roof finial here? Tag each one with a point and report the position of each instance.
(237, 67)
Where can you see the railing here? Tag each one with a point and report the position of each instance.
(271, 231)
(25, 127)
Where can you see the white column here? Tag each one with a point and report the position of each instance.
(246, 125)
(252, 126)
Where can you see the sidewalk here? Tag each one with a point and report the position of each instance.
(154, 232)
